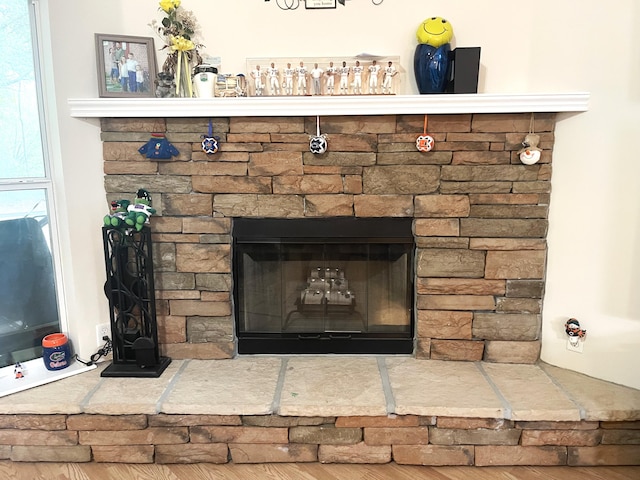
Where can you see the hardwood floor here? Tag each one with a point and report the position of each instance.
(311, 471)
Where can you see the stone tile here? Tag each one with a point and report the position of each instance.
(241, 386)
(531, 394)
(123, 396)
(600, 400)
(441, 388)
(62, 396)
(338, 386)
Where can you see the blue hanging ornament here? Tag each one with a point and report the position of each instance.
(158, 148)
(210, 143)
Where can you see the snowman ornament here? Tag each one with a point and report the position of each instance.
(530, 153)
(318, 143)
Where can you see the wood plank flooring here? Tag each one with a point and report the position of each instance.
(311, 471)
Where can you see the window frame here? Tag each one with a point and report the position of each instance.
(35, 373)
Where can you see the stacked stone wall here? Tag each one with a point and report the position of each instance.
(480, 216)
(410, 440)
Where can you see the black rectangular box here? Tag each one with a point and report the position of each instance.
(465, 65)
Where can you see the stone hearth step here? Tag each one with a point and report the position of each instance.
(310, 386)
(333, 409)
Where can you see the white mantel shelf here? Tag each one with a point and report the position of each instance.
(327, 106)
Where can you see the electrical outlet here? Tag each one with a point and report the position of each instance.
(578, 347)
(102, 330)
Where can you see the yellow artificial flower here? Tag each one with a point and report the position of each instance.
(169, 5)
(181, 44)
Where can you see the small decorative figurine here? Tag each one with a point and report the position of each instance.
(374, 70)
(288, 79)
(18, 371)
(301, 72)
(257, 78)
(344, 71)
(572, 327)
(165, 85)
(331, 78)
(389, 72)
(117, 214)
(431, 58)
(274, 80)
(357, 78)
(316, 77)
(140, 210)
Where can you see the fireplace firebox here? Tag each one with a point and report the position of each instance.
(326, 285)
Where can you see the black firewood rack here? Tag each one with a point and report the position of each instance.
(131, 293)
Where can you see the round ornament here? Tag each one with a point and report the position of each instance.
(318, 144)
(424, 143)
(209, 145)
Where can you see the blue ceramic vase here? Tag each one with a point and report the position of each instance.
(431, 67)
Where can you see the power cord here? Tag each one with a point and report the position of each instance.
(102, 352)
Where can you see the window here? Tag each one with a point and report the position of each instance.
(29, 307)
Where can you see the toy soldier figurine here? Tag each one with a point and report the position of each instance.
(274, 80)
(357, 78)
(301, 72)
(316, 76)
(257, 77)
(288, 79)
(389, 72)
(331, 78)
(374, 70)
(344, 78)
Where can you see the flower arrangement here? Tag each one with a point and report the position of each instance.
(179, 31)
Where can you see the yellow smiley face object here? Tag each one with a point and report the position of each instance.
(435, 31)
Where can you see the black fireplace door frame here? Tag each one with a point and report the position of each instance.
(330, 232)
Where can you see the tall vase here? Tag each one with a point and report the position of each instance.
(431, 67)
(184, 88)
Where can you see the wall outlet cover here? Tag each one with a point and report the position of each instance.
(102, 330)
(578, 347)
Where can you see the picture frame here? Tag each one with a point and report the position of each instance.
(115, 55)
(316, 4)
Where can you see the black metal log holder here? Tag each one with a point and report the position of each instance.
(132, 307)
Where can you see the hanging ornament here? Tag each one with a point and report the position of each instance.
(425, 142)
(530, 153)
(210, 143)
(158, 148)
(318, 143)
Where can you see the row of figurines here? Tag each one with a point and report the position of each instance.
(323, 79)
(328, 79)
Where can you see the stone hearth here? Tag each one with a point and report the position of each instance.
(480, 217)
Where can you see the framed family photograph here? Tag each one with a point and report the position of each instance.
(126, 65)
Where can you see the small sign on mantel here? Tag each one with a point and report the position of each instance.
(320, 3)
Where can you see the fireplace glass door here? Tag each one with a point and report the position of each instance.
(320, 286)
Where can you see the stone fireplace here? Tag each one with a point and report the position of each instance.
(479, 217)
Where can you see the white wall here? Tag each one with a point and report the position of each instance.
(546, 46)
